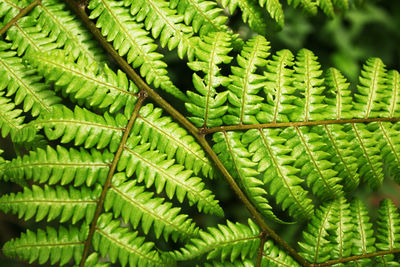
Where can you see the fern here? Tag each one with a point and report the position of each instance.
(113, 173)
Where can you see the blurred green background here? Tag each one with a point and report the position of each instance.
(371, 30)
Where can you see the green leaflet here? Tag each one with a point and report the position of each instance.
(243, 99)
(203, 15)
(130, 249)
(235, 157)
(272, 156)
(11, 120)
(82, 80)
(71, 204)
(135, 205)
(207, 105)
(24, 83)
(274, 256)
(59, 166)
(130, 39)
(226, 243)
(165, 24)
(81, 126)
(170, 138)
(153, 168)
(50, 245)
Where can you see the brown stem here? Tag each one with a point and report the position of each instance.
(142, 85)
(355, 258)
(263, 237)
(242, 127)
(111, 172)
(22, 13)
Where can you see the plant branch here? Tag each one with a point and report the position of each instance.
(353, 258)
(242, 127)
(263, 237)
(22, 13)
(107, 184)
(197, 133)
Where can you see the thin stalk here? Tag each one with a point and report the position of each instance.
(354, 258)
(293, 124)
(107, 184)
(197, 133)
(263, 237)
(22, 13)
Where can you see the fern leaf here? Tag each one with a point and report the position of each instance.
(344, 151)
(342, 230)
(328, 7)
(371, 98)
(84, 127)
(54, 19)
(310, 85)
(243, 98)
(273, 256)
(235, 157)
(204, 16)
(252, 13)
(60, 166)
(170, 138)
(316, 246)
(308, 5)
(94, 260)
(237, 263)
(138, 206)
(71, 203)
(118, 243)
(275, 10)
(370, 160)
(226, 243)
(152, 167)
(363, 239)
(56, 246)
(9, 9)
(278, 89)
(268, 151)
(102, 90)
(130, 39)
(340, 104)
(164, 23)
(11, 121)
(389, 147)
(207, 107)
(393, 82)
(24, 84)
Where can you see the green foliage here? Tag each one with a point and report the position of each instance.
(111, 171)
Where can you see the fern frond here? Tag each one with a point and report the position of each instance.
(308, 5)
(24, 83)
(393, 82)
(206, 106)
(341, 232)
(316, 246)
(170, 138)
(58, 22)
(11, 121)
(273, 256)
(236, 159)
(153, 167)
(237, 263)
(389, 146)
(59, 246)
(268, 152)
(338, 98)
(278, 88)
(70, 204)
(275, 10)
(204, 16)
(371, 99)
(243, 98)
(308, 83)
(59, 166)
(164, 23)
(104, 90)
(252, 13)
(225, 243)
(363, 239)
(93, 260)
(138, 206)
(81, 126)
(9, 9)
(130, 39)
(119, 243)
